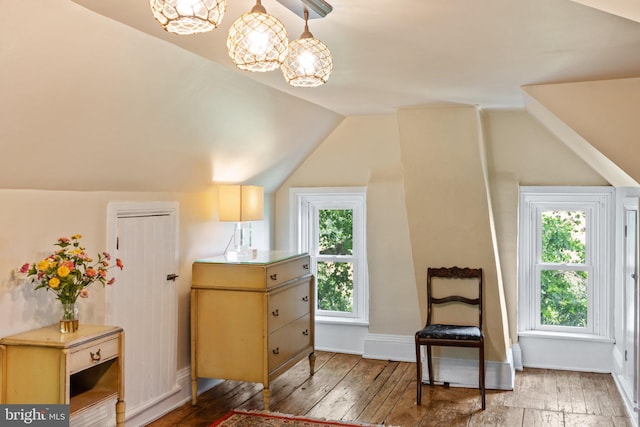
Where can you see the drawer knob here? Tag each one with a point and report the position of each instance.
(95, 357)
(305, 298)
(276, 350)
(305, 266)
(274, 276)
(305, 332)
(276, 313)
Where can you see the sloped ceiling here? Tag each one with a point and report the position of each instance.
(598, 120)
(91, 104)
(629, 9)
(96, 96)
(394, 54)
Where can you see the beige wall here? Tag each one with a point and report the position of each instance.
(369, 151)
(32, 220)
(364, 151)
(522, 152)
(447, 205)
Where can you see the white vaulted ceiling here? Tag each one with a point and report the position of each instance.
(393, 54)
(137, 108)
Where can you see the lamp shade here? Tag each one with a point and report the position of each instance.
(241, 203)
(188, 16)
(257, 41)
(308, 62)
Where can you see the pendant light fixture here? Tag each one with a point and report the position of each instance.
(188, 16)
(257, 41)
(309, 62)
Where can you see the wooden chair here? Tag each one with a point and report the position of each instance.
(450, 334)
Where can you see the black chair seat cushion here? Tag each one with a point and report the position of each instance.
(450, 332)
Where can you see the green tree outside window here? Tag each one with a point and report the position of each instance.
(563, 293)
(335, 278)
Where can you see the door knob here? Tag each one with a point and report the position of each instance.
(172, 277)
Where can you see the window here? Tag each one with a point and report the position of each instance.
(565, 246)
(330, 226)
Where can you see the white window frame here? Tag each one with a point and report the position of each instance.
(305, 203)
(598, 204)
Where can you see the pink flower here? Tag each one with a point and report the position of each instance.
(106, 256)
(102, 273)
(112, 281)
(105, 263)
(84, 293)
(63, 240)
(24, 268)
(90, 272)
(69, 264)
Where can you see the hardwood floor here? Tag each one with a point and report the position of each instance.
(348, 387)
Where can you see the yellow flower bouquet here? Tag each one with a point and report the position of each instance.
(69, 271)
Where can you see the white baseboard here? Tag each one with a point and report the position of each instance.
(516, 351)
(566, 353)
(170, 401)
(628, 404)
(340, 337)
(457, 371)
(390, 347)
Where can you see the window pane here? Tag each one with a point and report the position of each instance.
(335, 286)
(563, 298)
(564, 237)
(336, 232)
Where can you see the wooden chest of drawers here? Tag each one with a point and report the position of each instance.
(251, 320)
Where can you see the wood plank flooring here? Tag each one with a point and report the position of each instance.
(348, 387)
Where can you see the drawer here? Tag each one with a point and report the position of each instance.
(289, 340)
(289, 304)
(288, 270)
(93, 355)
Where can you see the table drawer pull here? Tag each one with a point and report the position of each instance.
(93, 355)
(305, 332)
(276, 313)
(305, 298)
(276, 350)
(274, 276)
(305, 266)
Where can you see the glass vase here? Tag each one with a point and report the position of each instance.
(69, 320)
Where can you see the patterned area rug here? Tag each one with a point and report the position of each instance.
(239, 418)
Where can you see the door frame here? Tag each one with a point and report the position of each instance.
(115, 211)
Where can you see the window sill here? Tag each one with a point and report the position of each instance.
(565, 336)
(341, 321)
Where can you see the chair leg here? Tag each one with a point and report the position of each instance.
(418, 374)
(429, 364)
(482, 376)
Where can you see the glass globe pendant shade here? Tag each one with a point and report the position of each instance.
(308, 63)
(257, 41)
(188, 16)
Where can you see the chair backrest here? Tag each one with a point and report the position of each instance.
(454, 273)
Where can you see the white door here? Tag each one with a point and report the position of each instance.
(144, 301)
(629, 367)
